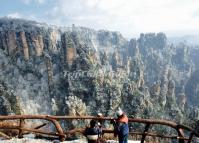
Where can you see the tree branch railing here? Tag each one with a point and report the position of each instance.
(62, 135)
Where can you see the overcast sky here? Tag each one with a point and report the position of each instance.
(130, 17)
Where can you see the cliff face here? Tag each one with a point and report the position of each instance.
(78, 71)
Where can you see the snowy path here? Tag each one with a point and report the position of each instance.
(44, 141)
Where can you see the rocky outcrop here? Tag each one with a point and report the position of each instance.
(81, 71)
(11, 42)
(24, 45)
(192, 88)
(9, 103)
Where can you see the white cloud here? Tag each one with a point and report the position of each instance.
(196, 13)
(128, 16)
(14, 15)
(30, 1)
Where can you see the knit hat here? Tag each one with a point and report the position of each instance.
(99, 114)
(92, 123)
(119, 112)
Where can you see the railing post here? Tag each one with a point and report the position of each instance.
(62, 136)
(180, 134)
(190, 137)
(144, 133)
(21, 125)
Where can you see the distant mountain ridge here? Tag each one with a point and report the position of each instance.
(192, 40)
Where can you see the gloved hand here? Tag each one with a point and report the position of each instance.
(113, 121)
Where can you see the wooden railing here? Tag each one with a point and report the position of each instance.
(62, 135)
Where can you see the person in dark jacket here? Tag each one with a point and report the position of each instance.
(93, 132)
(121, 126)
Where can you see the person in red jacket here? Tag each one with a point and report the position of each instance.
(121, 126)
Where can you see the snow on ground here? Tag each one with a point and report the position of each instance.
(25, 140)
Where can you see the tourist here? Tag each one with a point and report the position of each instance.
(93, 132)
(121, 127)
